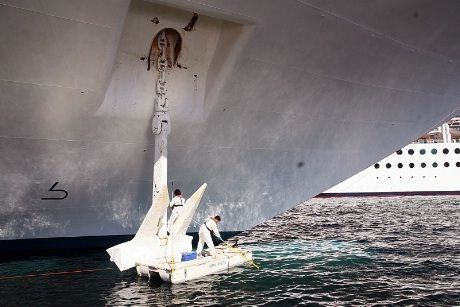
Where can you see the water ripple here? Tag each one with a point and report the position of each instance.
(363, 251)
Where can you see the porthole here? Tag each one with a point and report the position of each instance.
(422, 151)
(445, 151)
(399, 152)
(446, 164)
(457, 150)
(388, 165)
(410, 151)
(376, 165)
(434, 151)
(457, 164)
(400, 165)
(435, 164)
(423, 165)
(411, 165)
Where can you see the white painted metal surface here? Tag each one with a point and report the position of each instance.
(290, 98)
(149, 244)
(161, 127)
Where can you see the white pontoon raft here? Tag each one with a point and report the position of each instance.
(224, 259)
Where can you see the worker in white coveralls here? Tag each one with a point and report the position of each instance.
(176, 205)
(209, 227)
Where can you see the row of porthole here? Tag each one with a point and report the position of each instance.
(433, 151)
(412, 165)
(410, 177)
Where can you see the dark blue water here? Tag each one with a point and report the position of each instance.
(363, 251)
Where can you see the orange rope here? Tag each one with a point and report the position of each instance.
(55, 273)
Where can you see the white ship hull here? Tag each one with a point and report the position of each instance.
(431, 169)
(275, 101)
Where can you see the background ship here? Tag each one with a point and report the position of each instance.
(429, 166)
(253, 94)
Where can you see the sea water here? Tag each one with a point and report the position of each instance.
(337, 251)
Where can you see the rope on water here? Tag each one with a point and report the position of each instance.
(55, 273)
(250, 261)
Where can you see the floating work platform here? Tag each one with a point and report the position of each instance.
(226, 257)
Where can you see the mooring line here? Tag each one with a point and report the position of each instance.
(238, 250)
(55, 273)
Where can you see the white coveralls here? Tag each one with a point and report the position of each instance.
(205, 236)
(176, 204)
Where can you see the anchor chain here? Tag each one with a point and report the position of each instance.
(161, 120)
(161, 127)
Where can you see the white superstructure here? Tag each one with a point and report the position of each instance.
(431, 165)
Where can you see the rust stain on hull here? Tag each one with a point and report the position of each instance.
(173, 48)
